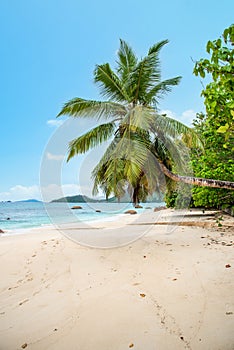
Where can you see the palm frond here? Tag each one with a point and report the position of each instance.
(152, 174)
(170, 152)
(147, 73)
(127, 60)
(140, 117)
(90, 139)
(106, 156)
(157, 47)
(79, 107)
(161, 88)
(143, 77)
(133, 148)
(174, 128)
(109, 177)
(110, 84)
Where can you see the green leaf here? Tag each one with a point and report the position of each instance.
(79, 107)
(90, 139)
(222, 129)
(110, 84)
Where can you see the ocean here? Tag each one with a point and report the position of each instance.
(21, 215)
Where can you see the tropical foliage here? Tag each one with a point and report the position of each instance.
(217, 126)
(215, 162)
(219, 94)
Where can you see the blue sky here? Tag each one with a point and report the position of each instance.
(49, 49)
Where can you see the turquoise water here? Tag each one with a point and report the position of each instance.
(19, 215)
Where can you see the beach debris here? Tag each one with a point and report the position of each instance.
(55, 330)
(142, 295)
(159, 208)
(76, 207)
(24, 301)
(227, 266)
(229, 313)
(144, 256)
(131, 211)
(131, 345)
(174, 279)
(24, 345)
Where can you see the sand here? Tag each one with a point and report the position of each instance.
(172, 288)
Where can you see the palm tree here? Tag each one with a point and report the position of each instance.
(142, 141)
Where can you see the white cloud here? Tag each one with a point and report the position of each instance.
(186, 117)
(51, 156)
(168, 113)
(20, 192)
(55, 191)
(54, 122)
(45, 193)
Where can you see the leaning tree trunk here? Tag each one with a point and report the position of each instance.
(197, 180)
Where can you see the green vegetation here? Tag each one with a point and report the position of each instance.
(216, 128)
(219, 101)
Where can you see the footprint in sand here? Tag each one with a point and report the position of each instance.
(43, 243)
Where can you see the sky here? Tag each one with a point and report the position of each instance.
(49, 49)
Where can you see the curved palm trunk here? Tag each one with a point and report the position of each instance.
(197, 180)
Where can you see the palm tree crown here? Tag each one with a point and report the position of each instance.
(139, 135)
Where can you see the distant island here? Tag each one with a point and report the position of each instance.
(85, 199)
(29, 201)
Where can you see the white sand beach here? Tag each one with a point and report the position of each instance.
(172, 288)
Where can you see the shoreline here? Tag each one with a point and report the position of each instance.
(201, 221)
(171, 288)
(53, 218)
